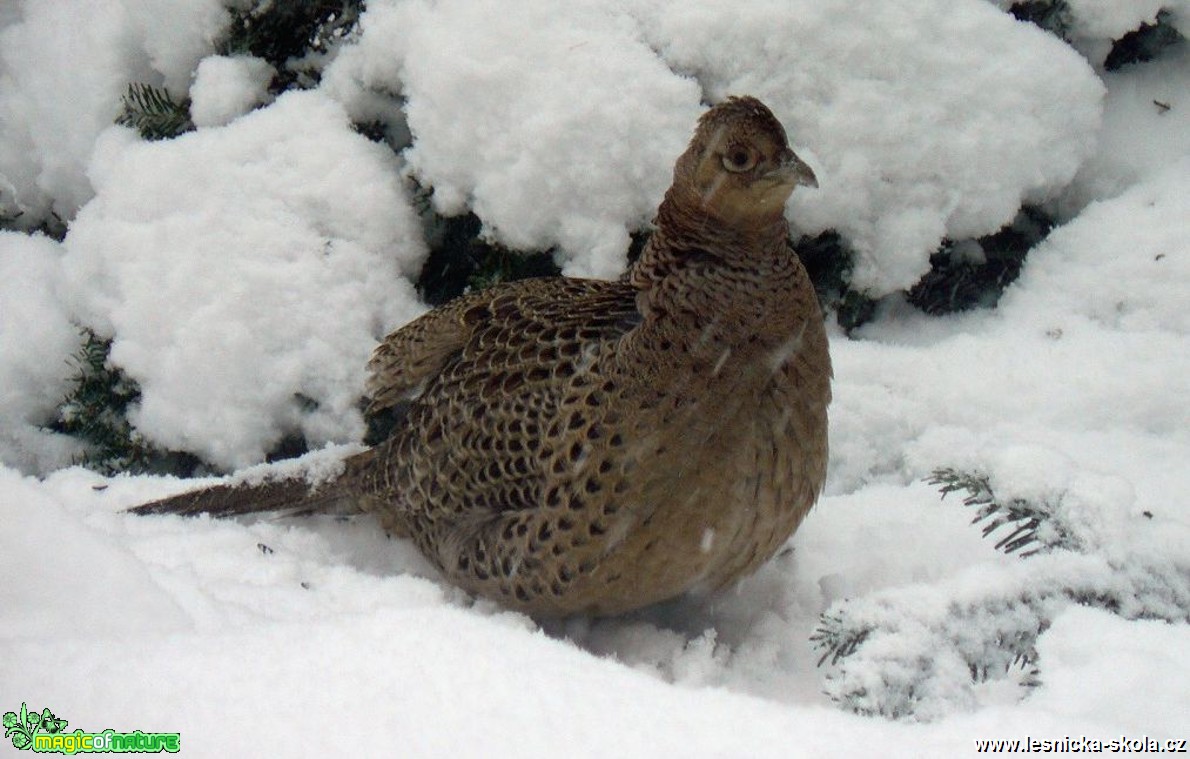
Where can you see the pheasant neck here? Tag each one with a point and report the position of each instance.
(708, 288)
(684, 225)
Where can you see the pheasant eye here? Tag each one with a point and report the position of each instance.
(739, 159)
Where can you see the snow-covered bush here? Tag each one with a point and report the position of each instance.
(63, 68)
(1102, 31)
(1076, 468)
(244, 274)
(922, 651)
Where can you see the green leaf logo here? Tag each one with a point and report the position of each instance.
(22, 727)
(17, 727)
(50, 723)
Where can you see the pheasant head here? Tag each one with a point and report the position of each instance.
(739, 169)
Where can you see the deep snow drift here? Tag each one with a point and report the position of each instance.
(245, 270)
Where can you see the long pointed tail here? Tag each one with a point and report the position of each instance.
(292, 495)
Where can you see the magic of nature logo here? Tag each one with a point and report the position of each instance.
(45, 733)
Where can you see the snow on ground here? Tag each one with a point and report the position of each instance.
(1138, 136)
(279, 244)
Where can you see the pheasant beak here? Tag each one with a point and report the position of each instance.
(794, 171)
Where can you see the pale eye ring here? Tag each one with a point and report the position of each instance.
(739, 159)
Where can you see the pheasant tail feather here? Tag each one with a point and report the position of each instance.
(293, 496)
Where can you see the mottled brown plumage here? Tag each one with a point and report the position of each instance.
(581, 446)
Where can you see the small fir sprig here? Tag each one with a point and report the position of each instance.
(154, 113)
(837, 637)
(95, 411)
(1033, 527)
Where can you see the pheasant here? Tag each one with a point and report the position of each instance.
(574, 446)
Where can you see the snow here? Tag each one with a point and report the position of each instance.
(857, 101)
(1094, 18)
(912, 135)
(245, 270)
(33, 333)
(539, 165)
(254, 251)
(226, 87)
(1138, 135)
(1105, 21)
(63, 69)
(1139, 687)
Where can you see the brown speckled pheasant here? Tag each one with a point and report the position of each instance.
(580, 446)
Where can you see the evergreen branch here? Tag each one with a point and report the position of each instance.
(830, 262)
(971, 274)
(1022, 667)
(904, 661)
(95, 411)
(913, 652)
(152, 112)
(502, 265)
(1026, 519)
(295, 37)
(836, 638)
(1054, 16)
(1147, 43)
(461, 259)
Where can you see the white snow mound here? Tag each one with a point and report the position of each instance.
(226, 87)
(64, 67)
(36, 338)
(246, 273)
(557, 129)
